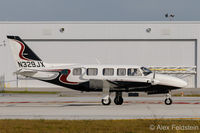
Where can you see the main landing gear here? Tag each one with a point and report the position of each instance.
(118, 99)
(106, 100)
(168, 100)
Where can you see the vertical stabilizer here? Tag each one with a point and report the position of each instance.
(24, 56)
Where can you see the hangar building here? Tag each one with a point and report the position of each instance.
(165, 47)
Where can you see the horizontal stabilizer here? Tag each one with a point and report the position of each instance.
(25, 72)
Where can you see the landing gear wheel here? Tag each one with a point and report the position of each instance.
(168, 101)
(106, 101)
(118, 100)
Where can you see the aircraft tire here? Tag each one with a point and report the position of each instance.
(168, 101)
(106, 101)
(118, 100)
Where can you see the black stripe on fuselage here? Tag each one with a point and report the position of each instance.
(123, 86)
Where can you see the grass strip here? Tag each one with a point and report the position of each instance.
(99, 126)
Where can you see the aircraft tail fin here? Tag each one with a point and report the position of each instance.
(24, 56)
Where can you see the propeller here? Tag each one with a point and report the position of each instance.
(154, 74)
(153, 80)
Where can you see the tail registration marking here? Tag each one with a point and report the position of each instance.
(30, 64)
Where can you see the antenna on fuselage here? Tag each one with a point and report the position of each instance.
(97, 60)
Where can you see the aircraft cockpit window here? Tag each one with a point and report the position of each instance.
(146, 71)
(121, 71)
(108, 71)
(134, 72)
(77, 71)
(92, 71)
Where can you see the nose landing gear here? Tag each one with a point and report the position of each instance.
(168, 100)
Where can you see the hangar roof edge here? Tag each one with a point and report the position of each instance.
(99, 22)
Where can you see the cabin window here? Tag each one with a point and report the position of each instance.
(92, 71)
(134, 72)
(121, 71)
(77, 71)
(108, 71)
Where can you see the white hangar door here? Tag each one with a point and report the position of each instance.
(136, 52)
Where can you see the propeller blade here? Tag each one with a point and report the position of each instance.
(154, 75)
(153, 79)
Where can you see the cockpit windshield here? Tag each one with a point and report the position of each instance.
(146, 71)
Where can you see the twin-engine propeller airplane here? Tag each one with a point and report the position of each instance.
(101, 78)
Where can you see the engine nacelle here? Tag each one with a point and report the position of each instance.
(96, 84)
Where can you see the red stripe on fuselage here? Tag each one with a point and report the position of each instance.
(63, 78)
